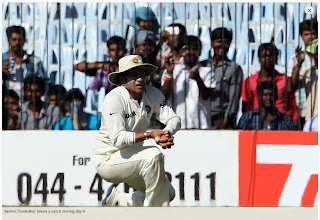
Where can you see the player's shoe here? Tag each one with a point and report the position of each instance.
(111, 197)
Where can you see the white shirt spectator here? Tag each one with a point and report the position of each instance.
(300, 94)
(186, 101)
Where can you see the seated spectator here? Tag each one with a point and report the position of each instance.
(76, 118)
(22, 64)
(308, 30)
(188, 85)
(143, 19)
(266, 116)
(101, 70)
(35, 114)
(307, 78)
(145, 45)
(57, 96)
(228, 75)
(174, 36)
(286, 104)
(11, 107)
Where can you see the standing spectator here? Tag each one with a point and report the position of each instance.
(35, 114)
(174, 36)
(101, 70)
(308, 30)
(267, 116)
(188, 86)
(24, 64)
(57, 96)
(12, 108)
(145, 46)
(308, 78)
(286, 104)
(76, 118)
(228, 76)
(143, 19)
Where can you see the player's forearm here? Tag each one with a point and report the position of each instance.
(123, 138)
(173, 125)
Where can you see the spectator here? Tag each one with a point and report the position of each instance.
(101, 70)
(308, 30)
(116, 49)
(143, 19)
(188, 86)
(308, 78)
(24, 64)
(11, 108)
(35, 114)
(76, 118)
(174, 36)
(57, 96)
(145, 46)
(228, 75)
(311, 124)
(144, 43)
(286, 104)
(266, 116)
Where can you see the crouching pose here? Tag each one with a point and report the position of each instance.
(119, 152)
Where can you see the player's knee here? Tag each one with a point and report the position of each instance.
(172, 193)
(155, 152)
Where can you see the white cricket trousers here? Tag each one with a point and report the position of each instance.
(141, 168)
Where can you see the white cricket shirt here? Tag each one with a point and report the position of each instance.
(122, 116)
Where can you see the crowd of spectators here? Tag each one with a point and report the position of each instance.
(206, 94)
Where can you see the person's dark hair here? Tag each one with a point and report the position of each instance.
(219, 32)
(57, 90)
(182, 34)
(16, 29)
(182, 29)
(268, 47)
(35, 79)
(12, 94)
(195, 41)
(267, 85)
(307, 25)
(74, 93)
(116, 40)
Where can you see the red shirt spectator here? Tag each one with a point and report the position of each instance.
(251, 84)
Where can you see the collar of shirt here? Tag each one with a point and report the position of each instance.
(140, 106)
(24, 57)
(225, 62)
(275, 78)
(25, 108)
(276, 115)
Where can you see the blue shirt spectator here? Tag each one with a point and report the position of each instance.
(252, 120)
(92, 123)
(22, 64)
(267, 116)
